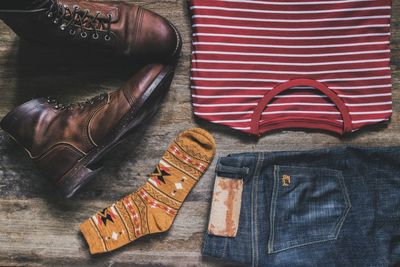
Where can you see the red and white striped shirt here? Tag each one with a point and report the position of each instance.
(264, 65)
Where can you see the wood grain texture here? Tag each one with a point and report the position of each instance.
(38, 228)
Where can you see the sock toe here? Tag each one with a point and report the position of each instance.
(198, 143)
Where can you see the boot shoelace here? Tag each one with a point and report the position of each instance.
(68, 18)
(57, 105)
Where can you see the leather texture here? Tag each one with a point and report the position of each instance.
(58, 137)
(118, 28)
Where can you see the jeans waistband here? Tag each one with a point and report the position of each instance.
(244, 165)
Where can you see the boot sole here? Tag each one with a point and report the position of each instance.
(81, 173)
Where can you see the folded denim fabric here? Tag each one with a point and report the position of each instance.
(327, 207)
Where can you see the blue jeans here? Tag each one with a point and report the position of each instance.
(327, 207)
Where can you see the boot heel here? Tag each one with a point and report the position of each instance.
(75, 179)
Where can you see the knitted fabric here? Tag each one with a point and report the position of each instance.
(153, 207)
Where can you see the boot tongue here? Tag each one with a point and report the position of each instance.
(36, 4)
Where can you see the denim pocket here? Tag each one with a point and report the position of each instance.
(308, 205)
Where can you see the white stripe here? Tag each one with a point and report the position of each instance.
(227, 96)
(288, 96)
(248, 128)
(255, 104)
(241, 128)
(300, 112)
(301, 104)
(289, 46)
(289, 20)
(152, 182)
(225, 105)
(369, 104)
(256, 96)
(288, 72)
(290, 12)
(236, 80)
(302, 96)
(281, 81)
(371, 112)
(292, 104)
(112, 209)
(360, 87)
(288, 63)
(229, 88)
(94, 218)
(356, 79)
(290, 55)
(165, 164)
(248, 120)
(291, 112)
(270, 88)
(365, 96)
(199, 25)
(362, 121)
(227, 121)
(294, 3)
(291, 37)
(266, 112)
(223, 113)
(248, 88)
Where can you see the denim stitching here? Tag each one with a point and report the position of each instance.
(302, 245)
(256, 176)
(225, 248)
(348, 204)
(272, 210)
(253, 233)
(252, 224)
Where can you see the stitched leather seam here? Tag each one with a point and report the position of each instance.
(56, 145)
(130, 98)
(139, 28)
(135, 29)
(88, 139)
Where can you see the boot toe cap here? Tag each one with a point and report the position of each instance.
(159, 37)
(22, 121)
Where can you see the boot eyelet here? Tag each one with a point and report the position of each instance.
(63, 27)
(107, 38)
(75, 7)
(50, 15)
(83, 34)
(95, 36)
(55, 21)
(72, 32)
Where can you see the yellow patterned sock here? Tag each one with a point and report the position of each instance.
(152, 208)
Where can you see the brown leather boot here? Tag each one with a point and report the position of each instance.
(117, 27)
(67, 141)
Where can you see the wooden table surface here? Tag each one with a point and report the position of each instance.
(39, 228)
